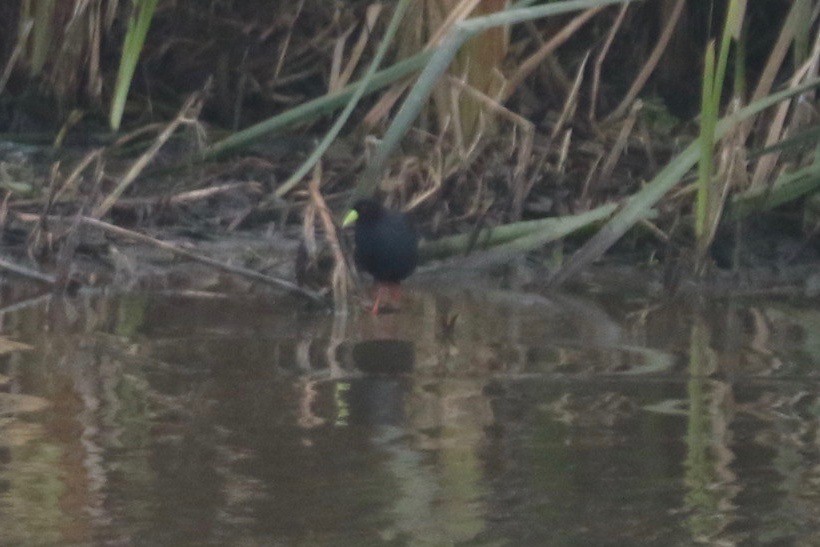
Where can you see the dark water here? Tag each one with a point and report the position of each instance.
(161, 419)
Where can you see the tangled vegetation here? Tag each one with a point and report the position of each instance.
(501, 126)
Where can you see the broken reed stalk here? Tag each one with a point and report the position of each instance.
(340, 280)
(651, 63)
(190, 110)
(788, 187)
(599, 61)
(439, 63)
(709, 202)
(620, 144)
(22, 39)
(196, 257)
(778, 131)
(635, 207)
(244, 272)
(571, 101)
(536, 59)
(384, 105)
(189, 196)
(27, 272)
(311, 110)
(523, 150)
(331, 135)
(341, 76)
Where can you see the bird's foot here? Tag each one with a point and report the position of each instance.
(394, 296)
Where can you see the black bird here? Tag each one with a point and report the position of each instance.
(386, 244)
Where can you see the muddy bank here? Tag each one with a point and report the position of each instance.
(103, 262)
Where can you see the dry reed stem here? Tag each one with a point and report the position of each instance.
(430, 173)
(75, 174)
(23, 271)
(651, 63)
(39, 236)
(526, 187)
(283, 49)
(341, 281)
(777, 56)
(74, 117)
(94, 81)
(599, 61)
(457, 14)
(336, 59)
(128, 137)
(241, 86)
(22, 40)
(187, 114)
(554, 68)
(384, 105)
(571, 102)
(773, 65)
(465, 151)
(767, 163)
(4, 210)
(646, 140)
(621, 142)
(524, 151)
(371, 17)
(590, 176)
(654, 230)
(86, 161)
(564, 151)
(178, 251)
(309, 231)
(683, 192)
(338, 336)
(434, 175)
(70, 240)
(731, 161)
(190, 196)
(73, 56)
(535, 60)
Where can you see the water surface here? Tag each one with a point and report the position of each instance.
(473, 416)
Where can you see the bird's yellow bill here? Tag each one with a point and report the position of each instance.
(350, 218)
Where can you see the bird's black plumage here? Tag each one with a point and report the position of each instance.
(386, 241)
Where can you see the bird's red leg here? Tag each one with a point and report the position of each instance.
(395, 292)
(375, 310)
